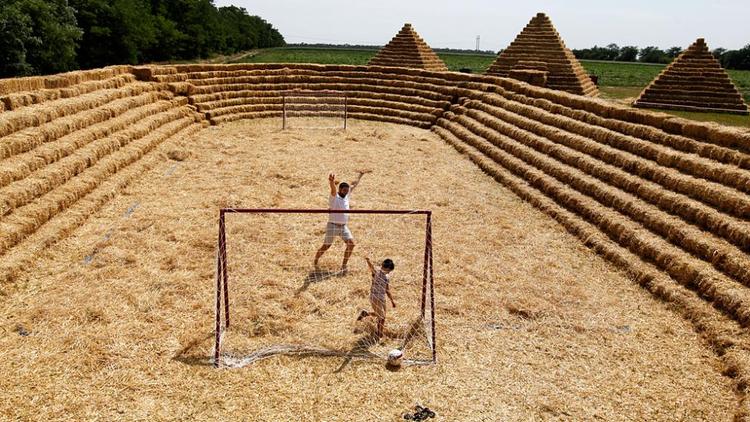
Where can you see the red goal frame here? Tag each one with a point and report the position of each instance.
(222, 278)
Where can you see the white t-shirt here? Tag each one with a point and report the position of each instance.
(336, 202)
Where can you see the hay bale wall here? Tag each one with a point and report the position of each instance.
(664, 198)
(69, 143)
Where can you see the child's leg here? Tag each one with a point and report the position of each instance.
(378, 311)
(362, 315)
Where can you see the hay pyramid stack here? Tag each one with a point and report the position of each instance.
(539, 47)
(408, 49)
(695, 81)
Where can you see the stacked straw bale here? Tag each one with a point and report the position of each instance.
(408, 49)
(539, 43)
(63, 137)
(666, 199)
(694, 81)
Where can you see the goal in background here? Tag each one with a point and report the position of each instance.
(271, 302)
(314, 110)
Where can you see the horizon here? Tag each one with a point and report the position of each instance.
(581, 23)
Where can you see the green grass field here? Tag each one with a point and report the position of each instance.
(617, 81)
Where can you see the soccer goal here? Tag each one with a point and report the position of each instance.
(271, 301)
(314, 110)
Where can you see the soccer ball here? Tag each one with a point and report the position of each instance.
(395, 357)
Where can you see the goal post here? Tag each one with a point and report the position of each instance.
(254, 276)
(310, 108)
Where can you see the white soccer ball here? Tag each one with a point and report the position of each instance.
(395, 357)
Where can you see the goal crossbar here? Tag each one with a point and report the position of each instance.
(222, 277)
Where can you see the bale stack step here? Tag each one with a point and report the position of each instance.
(539, 42)
(408, 49)
(694, 81)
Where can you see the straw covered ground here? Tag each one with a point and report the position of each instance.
(115, 322)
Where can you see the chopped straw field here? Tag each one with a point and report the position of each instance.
(117, 318)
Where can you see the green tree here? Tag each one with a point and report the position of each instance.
(628, 54)
(15, 37)
(48, 36)
(51, 46)
(737, 59)
(673, 52)
(653, 55)
(198, 24)
(114, 32)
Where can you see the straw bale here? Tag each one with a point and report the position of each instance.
(30, 138)
(42, 113)
(116, 116)
(729, 137)
(234, 89)
(90, 147)
(733, 230)
(715, 152)
(181, 88)
(80, 294)
(78, 179)
(67, 220)
(719, 173)
(710, 249)
(678, 264)
(692, 307)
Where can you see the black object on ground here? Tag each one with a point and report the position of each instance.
(21, 330)
(420, 414)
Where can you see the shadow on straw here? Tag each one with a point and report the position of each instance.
(360, 348)
(316, 276)
(187, 356)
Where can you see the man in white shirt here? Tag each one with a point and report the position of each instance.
(337, 222)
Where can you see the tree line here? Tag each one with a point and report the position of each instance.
(327, 46)
(729, 59)
(51, 36)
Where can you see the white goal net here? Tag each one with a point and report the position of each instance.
(271, 300)
(314, 110)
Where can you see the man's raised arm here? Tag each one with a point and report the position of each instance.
(332, 183)
(359, 178)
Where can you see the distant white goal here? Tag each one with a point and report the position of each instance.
(271, 300)
(314, 110)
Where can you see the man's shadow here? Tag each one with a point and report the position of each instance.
(316, 276)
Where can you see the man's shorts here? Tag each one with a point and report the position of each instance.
(333, 230)
(378, 306)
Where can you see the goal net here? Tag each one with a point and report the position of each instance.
(272, 301)
(314, 110)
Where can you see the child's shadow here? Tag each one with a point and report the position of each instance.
(316, 276)
(360, 349)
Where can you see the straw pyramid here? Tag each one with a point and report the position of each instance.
(695, 81)
(408, 49)
(539, 47)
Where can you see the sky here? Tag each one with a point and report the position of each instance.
(457, 23)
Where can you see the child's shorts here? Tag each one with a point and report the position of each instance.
(378, 306)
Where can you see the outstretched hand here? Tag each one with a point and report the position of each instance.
(362, 172)
(331, 177)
